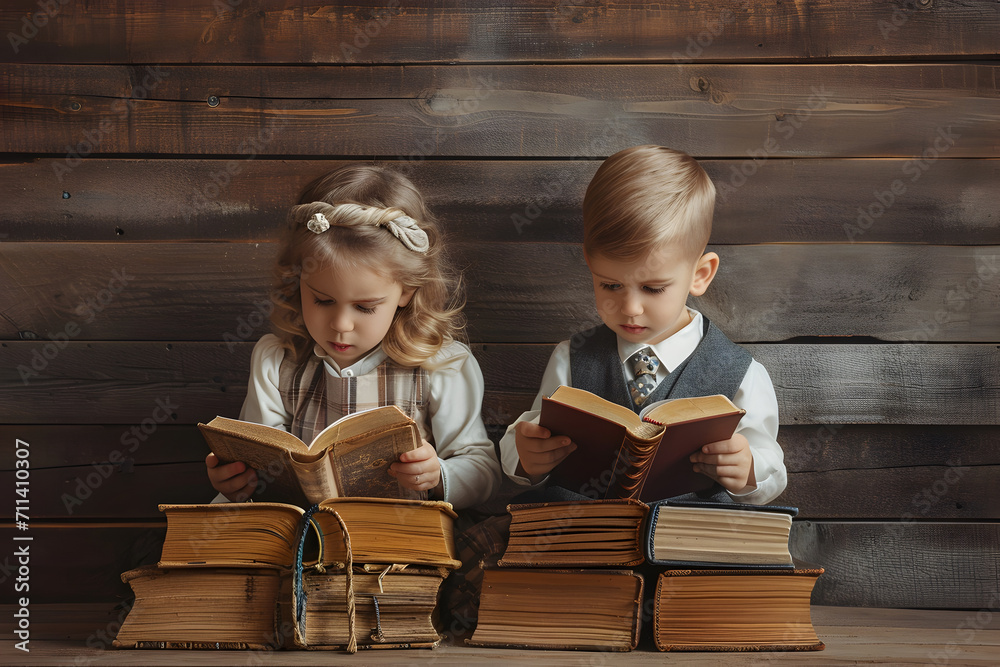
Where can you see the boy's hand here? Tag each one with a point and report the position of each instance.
(728, 462)
(418, 469)
(236, 481)
(539, 450)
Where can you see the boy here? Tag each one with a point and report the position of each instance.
(647, 218)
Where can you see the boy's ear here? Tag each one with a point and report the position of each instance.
(408, 293)
(704, 272)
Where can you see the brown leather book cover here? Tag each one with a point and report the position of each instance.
(632, 459)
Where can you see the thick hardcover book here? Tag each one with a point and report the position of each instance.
(383, 530)
(623, 455)
(350, 457)
(393, 608)
(587, 610)
(687, 533)
(592, 533)
(735, 610)
(207, 608)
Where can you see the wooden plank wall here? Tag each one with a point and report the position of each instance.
(149, 152)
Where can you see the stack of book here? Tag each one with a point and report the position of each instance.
(565, 580)
(726, 580)
(268, 575)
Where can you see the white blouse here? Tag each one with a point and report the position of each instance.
(453, 423)
(755, 395)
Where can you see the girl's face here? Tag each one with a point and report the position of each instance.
(348, 310)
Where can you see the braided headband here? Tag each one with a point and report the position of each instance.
(403, 227)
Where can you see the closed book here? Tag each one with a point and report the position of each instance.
(393, 607)
(690, 533)
(624, 455)
(383, 530)
(587, 610)
(735, 610)
(591, 533)
(207, 608)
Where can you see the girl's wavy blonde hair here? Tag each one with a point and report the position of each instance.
(432, 318)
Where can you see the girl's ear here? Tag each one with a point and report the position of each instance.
(704, 271)
(408, 293)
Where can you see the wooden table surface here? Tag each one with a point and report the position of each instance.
(853, 635)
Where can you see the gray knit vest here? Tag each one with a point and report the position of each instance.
(717, 366)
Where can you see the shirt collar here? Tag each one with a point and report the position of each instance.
(672, 351)
(362, 366)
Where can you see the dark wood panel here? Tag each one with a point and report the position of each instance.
(394, 31)
(958, 492)
(817, 200)
(143, 443)
(122, 383)
(739, 111)
(921, 472)
(81, 561)
(104, 490)
(903, 564)
(517, 292)
(128, 382)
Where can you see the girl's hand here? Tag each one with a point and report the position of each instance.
(418, 469)
(728, 462)
(236, 481)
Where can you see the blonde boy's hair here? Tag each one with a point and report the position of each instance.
(433, 316)
(646, 196)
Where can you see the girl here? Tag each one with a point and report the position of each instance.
(367, 316)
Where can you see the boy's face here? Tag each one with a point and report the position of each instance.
(644, 301)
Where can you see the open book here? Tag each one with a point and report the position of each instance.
(350, 457)
(623, 455)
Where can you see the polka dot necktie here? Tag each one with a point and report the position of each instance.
(643, 365)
